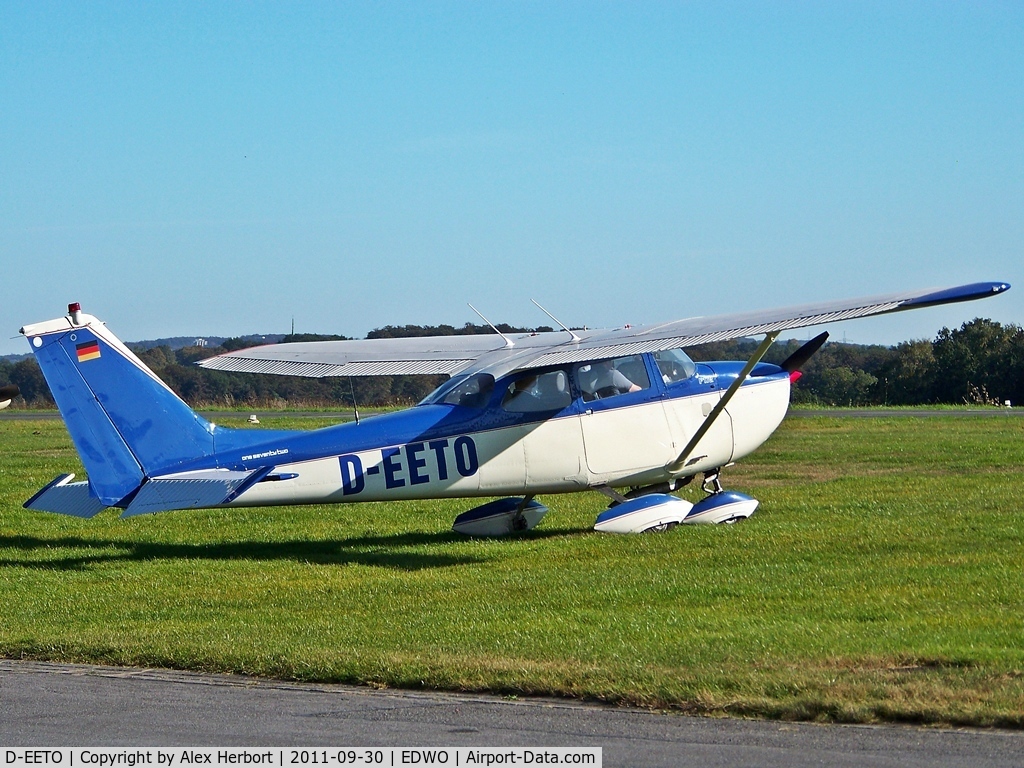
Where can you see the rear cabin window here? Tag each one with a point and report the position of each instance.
(534, 393)
(607, 378)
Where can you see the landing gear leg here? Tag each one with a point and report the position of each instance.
(711, 484)
(616, 497)
(519, 522)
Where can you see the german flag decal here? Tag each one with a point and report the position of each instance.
(88, 350)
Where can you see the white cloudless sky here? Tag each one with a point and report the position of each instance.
(222, 168)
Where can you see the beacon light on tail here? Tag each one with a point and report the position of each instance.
(624, 412)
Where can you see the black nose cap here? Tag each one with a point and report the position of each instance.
(9, 392)
(796, 361)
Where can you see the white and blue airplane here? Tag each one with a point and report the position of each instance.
(624, 412)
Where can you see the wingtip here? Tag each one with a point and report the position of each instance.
(956, 294)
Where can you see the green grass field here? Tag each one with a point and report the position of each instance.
(882, 578)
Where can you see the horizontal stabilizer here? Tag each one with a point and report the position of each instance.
(66, 498)
(192, 490)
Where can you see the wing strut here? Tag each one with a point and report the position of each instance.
(680, 462)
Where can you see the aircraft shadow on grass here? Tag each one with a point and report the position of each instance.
(390, 552)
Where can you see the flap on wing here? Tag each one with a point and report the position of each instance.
(66, 498)
(453, 354)
(360, 357)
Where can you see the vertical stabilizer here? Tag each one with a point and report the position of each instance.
(124, 421)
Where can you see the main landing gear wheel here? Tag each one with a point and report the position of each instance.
(501, 518)
(651, 512)
(722, 507)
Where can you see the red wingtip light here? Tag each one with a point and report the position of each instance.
(794, 377)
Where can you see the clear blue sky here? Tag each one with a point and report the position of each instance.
(220, 168)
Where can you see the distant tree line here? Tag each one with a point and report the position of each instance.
(982, 362)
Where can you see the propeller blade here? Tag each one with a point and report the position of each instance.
(796, 361)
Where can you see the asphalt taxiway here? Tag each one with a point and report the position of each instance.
(70, 705)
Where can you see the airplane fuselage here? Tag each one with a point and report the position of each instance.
(438, 450)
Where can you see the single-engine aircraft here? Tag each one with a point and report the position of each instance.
(625, 412)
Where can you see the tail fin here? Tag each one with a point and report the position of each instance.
(124, 421)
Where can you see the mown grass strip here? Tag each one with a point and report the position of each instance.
(881, 579)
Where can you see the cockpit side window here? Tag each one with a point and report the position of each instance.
(675, 365)
(470, 391)
(536, 393)
(607, 378)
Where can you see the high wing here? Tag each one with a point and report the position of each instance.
(499, 355)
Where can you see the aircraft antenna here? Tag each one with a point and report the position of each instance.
(508, 342)
(355, 408)
(564, 328)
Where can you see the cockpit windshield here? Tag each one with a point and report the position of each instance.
(471, 390)
(675, 365)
